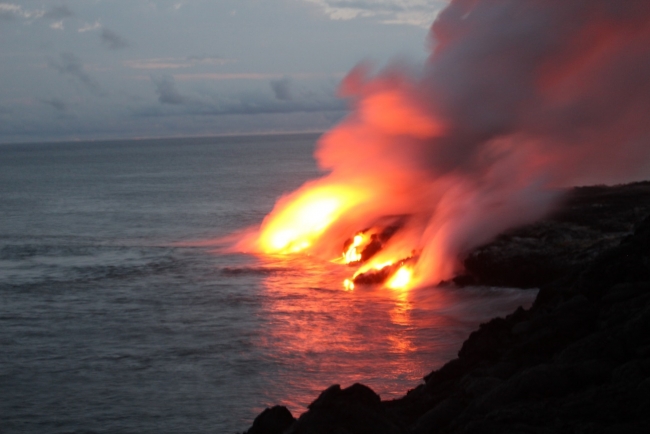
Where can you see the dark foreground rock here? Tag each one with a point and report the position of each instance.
(356, 409)
(274, 420)
(578, 361)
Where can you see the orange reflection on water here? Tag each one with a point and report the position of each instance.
(315, 333)
(332, 335)
(400, 316)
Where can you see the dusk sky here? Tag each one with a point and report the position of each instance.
(97, 69)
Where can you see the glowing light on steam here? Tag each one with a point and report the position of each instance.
(517, 101)
(296, 226)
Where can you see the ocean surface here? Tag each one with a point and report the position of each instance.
(119, 315)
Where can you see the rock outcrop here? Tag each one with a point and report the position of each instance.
(588, 222)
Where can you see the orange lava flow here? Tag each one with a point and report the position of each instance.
(401, 278)
(352, 254)
(319, 219)
(299, 222)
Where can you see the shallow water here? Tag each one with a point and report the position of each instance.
(117, 316)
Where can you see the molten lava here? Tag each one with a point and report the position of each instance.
(353, 254)
(304, 218)
(401, 278)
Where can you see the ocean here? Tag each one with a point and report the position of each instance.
(119, 314)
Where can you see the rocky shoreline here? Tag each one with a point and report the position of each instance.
(588, 221)
(577, 361)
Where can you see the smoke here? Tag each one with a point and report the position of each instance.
(565, 81)
(518, 99)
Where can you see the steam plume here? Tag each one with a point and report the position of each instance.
(518, 98)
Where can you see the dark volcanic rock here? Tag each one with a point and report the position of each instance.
(356, 409)
(590, 221)
(274, 420)
(578, 361)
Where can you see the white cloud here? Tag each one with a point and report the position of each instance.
(89, 27)
(410, 12)
(10, 10)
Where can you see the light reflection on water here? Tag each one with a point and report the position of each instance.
(318, 334)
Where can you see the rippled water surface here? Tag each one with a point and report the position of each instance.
(116, 315)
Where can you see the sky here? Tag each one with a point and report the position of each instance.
(106, 69)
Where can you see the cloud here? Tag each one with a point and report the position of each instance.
(89, 27)
(218, 76)
(209, 60)
(108, 38)
(176, 63)
(282, 89)
(112, 40)
(253, 104)
(284, 99)
(58, 25)
(227, 76)
(55, 103)
(58, 13)
(166, 90)
(69, 64)
(410, 12)
(239, 104)
(10, 11)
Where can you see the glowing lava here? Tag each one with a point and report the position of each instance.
(304, 217)
(352, 254)
(400, 279)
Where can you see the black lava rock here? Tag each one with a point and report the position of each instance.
(354, 410)
(274, 420)
(590, 221)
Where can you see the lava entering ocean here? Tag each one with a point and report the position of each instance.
(517, 100)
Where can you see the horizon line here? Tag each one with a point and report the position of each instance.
(170, 137)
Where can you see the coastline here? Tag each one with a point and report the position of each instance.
(577, 361)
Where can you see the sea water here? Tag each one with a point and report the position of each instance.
(119, 315)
